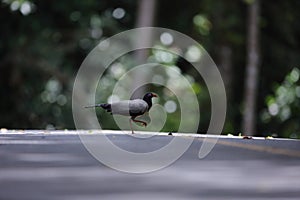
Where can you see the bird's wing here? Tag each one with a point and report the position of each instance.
(138, 107)
(129, 107)
(120, 107)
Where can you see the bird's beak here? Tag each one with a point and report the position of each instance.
(154, 95)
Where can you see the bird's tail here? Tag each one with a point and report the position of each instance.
(105, 106)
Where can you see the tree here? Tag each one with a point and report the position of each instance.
(252, 69)
(145, 18)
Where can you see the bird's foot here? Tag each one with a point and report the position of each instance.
(142, 122)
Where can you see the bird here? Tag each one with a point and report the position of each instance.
(132, 108)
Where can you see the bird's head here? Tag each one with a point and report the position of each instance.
(149, 96)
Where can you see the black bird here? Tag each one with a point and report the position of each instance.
(133, 108)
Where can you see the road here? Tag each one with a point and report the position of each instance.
(55, 165)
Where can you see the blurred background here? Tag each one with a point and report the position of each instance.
(255, 44)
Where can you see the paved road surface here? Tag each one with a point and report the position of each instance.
(56, 166)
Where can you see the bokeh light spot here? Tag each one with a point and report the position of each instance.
(170, 106)
(166, 38)
(118, 13)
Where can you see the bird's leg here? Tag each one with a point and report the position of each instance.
(131, 125)
(135, 120)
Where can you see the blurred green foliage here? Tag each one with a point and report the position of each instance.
(44, 42)
(283, 106)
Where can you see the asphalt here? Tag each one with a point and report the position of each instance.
(55, 165)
